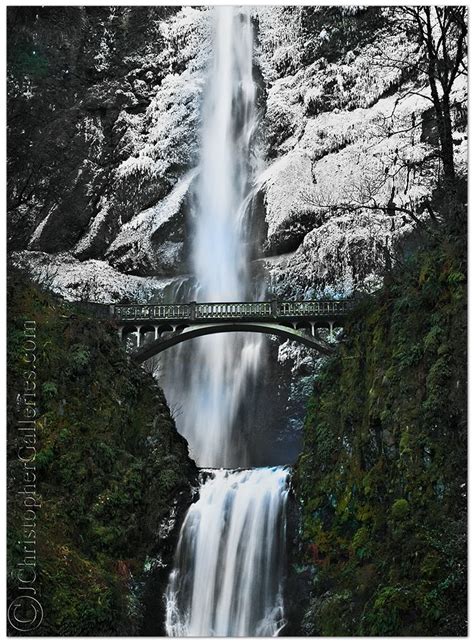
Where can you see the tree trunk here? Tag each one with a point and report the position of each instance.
(446, 140)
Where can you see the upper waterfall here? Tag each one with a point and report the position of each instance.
(229, 120)
(224, 367)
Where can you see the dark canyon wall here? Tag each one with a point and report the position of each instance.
(382, 474)
(113, 475)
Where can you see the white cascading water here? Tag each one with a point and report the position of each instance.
(228, 566)
(214, 375)
(230, 558)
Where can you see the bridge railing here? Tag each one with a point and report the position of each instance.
(292, 308)
(163, 311)
(229, 310)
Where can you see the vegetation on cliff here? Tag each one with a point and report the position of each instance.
(382, 474)
(109, 463)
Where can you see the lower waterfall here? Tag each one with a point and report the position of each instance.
(230, 560)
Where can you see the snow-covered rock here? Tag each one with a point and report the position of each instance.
(94, 280)
(350, 158)
(153, 241)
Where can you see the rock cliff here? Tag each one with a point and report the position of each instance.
(112, 476)
(382, 474)
(104, 132)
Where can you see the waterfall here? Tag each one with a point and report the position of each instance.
(224, 367)
(230, 557)
(229, 562)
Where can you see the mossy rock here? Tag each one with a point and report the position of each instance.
(383, 463)
(110, 466)
(400, 509)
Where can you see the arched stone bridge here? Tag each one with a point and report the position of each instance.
(155, 328)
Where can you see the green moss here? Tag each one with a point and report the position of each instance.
(109, 464)
(382, 474)
(400, 509)
(361, 538)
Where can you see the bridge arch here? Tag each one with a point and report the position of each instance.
(287, 324)
(147, 333)
(185, 333)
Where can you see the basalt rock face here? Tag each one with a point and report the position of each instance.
(104, 116)
(298, 581)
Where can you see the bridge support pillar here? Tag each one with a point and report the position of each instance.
(138, 334)
(331, 330)
(120, 332)
(156, 332)
(312, 329)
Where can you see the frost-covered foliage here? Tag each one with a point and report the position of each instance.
(119, 109)
(279, 39)
(188, 39)
(164, 140)
(346, 253)
(352, 142)
(157, 146)
(459, 97)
